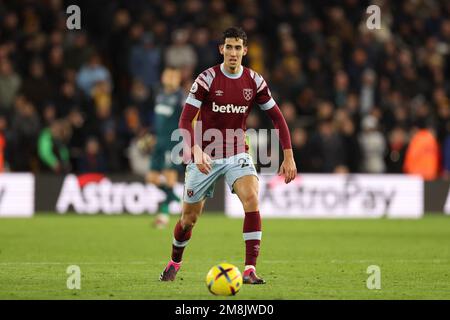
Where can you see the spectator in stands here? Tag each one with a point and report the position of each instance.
(10, 83)
(78, 137)
(205, 49)
(92, 73)
(52, 147)
(131, 125)
(67, 99)
(396, 150)
(48, 114)
(55, 65)
(301, 150)
(119, 47)
(422, 155)
(441, 103)
(145, 61)
(114, 150)
(139, 150)
(181, 54)
(10, 26)
(141, 97)
(25, 126)
(78, 51)
(341, 88)
(37, 87)
(352, 149)
(368, 91)
(93, 159)
(373, 146)
(326, 148)
(446, 158)
(289, 113)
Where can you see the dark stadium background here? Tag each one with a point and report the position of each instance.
(368, 111)
(352, 97)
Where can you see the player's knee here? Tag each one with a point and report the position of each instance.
(188, 223)
(188, 220)
(250, 200)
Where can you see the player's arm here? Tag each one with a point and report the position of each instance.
(202, 160)
(288, 167)
(265, 101)
(190, 111)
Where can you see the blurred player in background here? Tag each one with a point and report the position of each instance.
(221, 99)
(163, 171)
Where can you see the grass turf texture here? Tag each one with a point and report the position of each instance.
(121, 257)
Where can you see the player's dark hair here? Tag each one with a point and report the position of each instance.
(235, 32)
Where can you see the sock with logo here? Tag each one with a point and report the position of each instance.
(181, 238)
(252, 237)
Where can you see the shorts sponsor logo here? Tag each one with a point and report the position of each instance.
(190, 193)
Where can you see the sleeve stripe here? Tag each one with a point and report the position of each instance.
(263, 85)
(268, 105)
(211, 73)
(258, 80)
(206, 77)
(204, 85)
(194, 102)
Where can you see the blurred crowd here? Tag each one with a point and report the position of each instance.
(355, 99)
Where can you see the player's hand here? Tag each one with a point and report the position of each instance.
(202, 160)
(288, 169)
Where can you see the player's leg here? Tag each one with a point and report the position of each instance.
(181, 236)
(171, 179)
(170, 176)
(197, 187)
(242, 178)
(183, 228)
(162, 218)
(246, 188)
(164, 176)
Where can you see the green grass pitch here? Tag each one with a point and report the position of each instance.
(121, 257)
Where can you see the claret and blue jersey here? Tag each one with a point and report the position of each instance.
(225, 100)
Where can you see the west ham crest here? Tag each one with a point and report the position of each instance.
(248, 94)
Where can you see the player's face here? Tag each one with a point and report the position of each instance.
(171, 79)
(233, 50)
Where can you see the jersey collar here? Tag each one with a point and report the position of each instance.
(231, 75)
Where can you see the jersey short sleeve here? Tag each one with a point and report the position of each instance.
(200, 88)
(263, 96)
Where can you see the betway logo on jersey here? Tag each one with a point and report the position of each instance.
(229, 108)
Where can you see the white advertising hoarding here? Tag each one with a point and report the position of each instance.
(336, 196)
(101, 195)
(16, 195)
